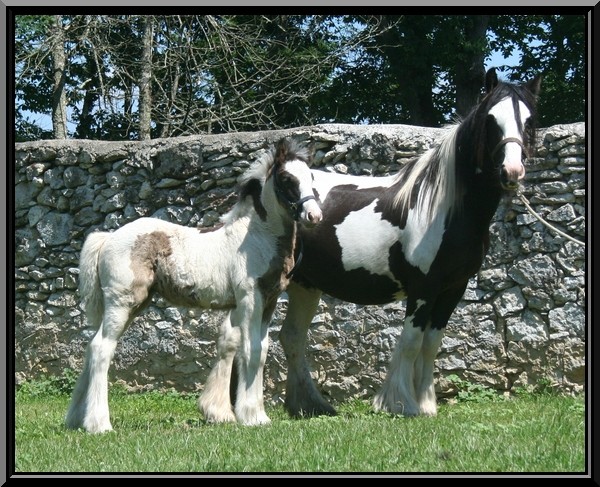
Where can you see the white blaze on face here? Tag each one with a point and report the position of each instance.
(505, 118)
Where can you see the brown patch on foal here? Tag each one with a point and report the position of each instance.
(148, 250)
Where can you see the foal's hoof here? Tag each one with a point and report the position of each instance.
(96, 428)
(256, 421)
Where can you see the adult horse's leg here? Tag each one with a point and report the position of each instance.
(214, 402)
(252, 353)
(302, 397)
(89, 404)
(434, 333)
(397, 394)
(424, 385)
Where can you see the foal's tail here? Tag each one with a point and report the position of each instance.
(89, 281)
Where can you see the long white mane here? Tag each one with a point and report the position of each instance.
(433, 175)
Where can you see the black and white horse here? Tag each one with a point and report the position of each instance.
(417, 235)
(241, 266)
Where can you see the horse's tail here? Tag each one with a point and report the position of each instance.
(89, 281)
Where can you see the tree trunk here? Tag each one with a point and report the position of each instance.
(59, 97)
(145, 81)
(408, 54)
(470, 72)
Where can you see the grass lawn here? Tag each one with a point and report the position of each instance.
(164, 432)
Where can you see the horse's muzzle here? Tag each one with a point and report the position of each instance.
(511, 175)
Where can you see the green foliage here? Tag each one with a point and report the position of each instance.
(468, 391)
(555, 47)
(261, 72)
(49, 385)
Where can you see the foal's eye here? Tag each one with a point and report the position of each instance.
(285, 179)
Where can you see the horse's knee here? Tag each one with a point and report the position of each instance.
(302, 307)
(229, 340)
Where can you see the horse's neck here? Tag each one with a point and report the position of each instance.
(480, 193)
(479, 202)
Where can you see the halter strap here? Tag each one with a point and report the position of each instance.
(296, 207)
(298, 260)
(506, 141)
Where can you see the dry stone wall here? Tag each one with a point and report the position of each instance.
(520, 323)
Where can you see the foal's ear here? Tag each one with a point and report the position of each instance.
(534, 85)
(281, 152)
(491, 80)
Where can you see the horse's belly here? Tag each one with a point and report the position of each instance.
(210, 296)
(356, 286)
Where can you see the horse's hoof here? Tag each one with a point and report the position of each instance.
(312, 411)
(256, 421)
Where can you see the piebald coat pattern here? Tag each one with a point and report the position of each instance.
(418, 235)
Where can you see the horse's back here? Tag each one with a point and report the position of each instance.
(325, 181)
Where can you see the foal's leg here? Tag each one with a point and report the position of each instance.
(301, 396)
(214, 401)
(249, 406)
(89, 404)
(397, 394)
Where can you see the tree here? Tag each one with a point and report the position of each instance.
(426, 70)
(59, 66)
(135, 77)
(145, 80)
(553, 45)
(33, 89)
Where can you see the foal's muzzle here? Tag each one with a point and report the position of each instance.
(313, 211)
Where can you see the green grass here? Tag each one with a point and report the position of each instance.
(163, 432)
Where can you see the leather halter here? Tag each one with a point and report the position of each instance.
(295, 208)
(506, 141)
(298, 260)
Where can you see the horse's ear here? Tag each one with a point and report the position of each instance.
(281, 152)
(491, 80)
(534, 85)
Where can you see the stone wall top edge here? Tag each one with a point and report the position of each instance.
(242, 137)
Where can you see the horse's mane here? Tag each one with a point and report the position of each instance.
(430, 178)
(252, 181)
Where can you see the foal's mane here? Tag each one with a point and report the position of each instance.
(252, 181)
(437, 177)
